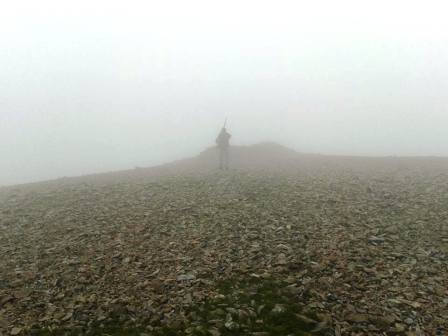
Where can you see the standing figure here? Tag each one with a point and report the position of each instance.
(223, 142)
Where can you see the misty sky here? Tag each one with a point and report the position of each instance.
(89, 86)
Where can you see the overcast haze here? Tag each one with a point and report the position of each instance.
(91, 86)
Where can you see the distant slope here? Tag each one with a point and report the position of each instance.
(277, 158)
(270, 157)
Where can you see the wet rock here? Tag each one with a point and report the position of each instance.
(278, 309)
(16, 331)
(186, 277)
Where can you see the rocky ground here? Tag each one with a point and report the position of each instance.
(333, 252)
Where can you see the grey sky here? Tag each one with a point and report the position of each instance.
(90, 86)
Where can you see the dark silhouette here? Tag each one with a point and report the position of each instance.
(223, 142)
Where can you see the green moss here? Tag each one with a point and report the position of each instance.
(244, 306)
(255, 305)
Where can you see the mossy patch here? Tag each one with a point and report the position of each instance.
(243, 306)
(252, 306)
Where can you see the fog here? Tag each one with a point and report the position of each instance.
(97, 86)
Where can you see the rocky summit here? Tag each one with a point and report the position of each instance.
(282, 244)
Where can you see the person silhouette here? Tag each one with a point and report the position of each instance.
(223, 143)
